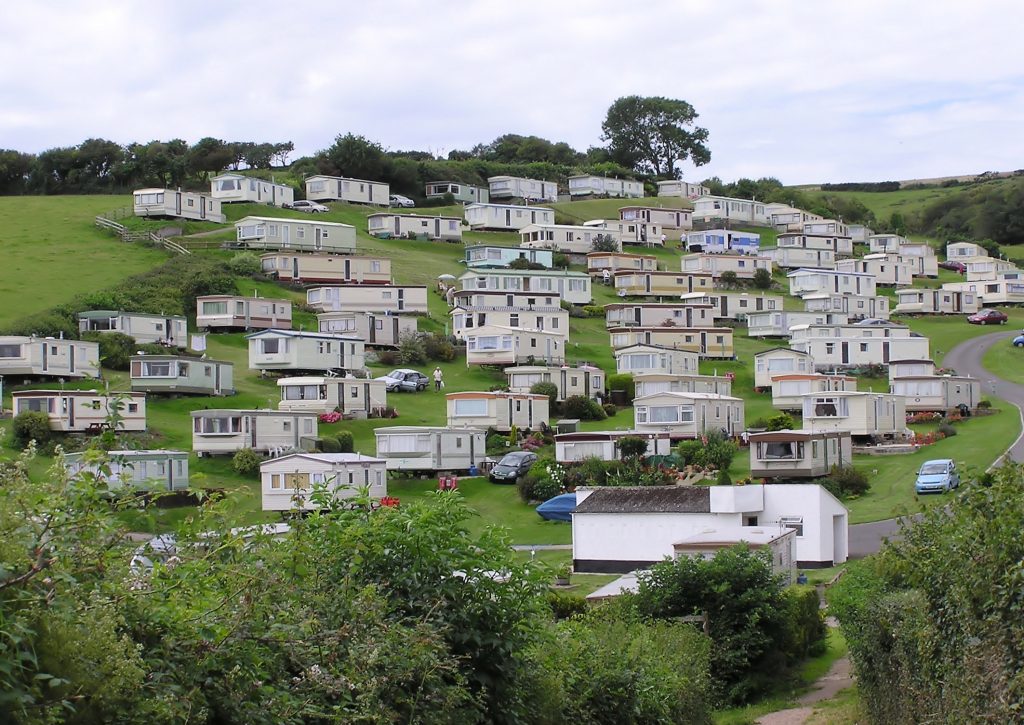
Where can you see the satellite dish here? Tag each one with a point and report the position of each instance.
(621, 293)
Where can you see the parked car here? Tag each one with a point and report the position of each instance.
(874, 322)
(953, 266)
(988, 317)
(1019, 340)
(405, 380)
(399, 200)
(310, 207)
(512, 466)
(937, 476)
(558, 508)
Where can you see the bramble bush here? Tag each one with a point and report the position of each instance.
(246, 461)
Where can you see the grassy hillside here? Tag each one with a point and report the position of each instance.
(53, 251)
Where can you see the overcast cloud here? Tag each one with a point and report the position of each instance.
(804, 91)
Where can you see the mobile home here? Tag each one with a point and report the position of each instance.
(640, 359)
(171, 330)
(798, 257)
(516, 187)
(379, 298)
(962, 251)
(604, 444)
(832, 281)
(709, 342)
(911, 369)
(798, 453)
(856, 306)
(658, 314)
(224, 431)
(580, 380)
(939, 393)
(918, 301)
(722, 241)
(464, 193)
(779, 361)
(629, 283)
(786, 218)
(778, 324)
(354, 191)
(177, 375)
(426, 448)
(141, 469)
(352, 397)
(708, 207)
(982, 269)
(743, 266)
(550, 319)
(889, 270)
(177, 204)
(81, 411)
(675, 219)
(593, 185)
(788, 390)
(311, 268)
(839, 246)
(288, 482)
(49, 357)
(688, 415)
(630, 232)
(734, 305)
(684, 189)
(498, 410)
(598, 262)
(501, 345)
(387, 224)
(650, 383)
(861, 414)
(492, 256)
(572, 287)
(375, 329)
(568, 239)
(298, 350)
(295, 235)
(506, 217)
(229, 188)
(247, 313)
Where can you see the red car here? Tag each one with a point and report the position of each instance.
(953, 266)
(988, 317)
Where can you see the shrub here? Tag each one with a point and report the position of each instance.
(582, 407)
(729, 279)
(762, 279)
(328, 445)
(565, 605)
(245, 264)
(593, 311)
(946, 429)
(246, 462)
(593, 471)
(807, 630)
(543, 481)
(438, 348)
(31, 426)
(724, 479)
(411, 349)
(623, 381)
(387, 357)
(116, 348)
(546, 388)
(604, 243)
(573, 310)
(632, 447)
(560, 260)
(849, 481)
(782, 421)
(523, 263)
(985, 405)
(713, 450)
(346, 442)
(609, 409)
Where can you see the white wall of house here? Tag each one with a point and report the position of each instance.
(640, 359)
(306, 268)
(856, 306)
(661, 284)
(722, 241)
(144, 328)
(798, 257)
(368, 298)
(779, 361)
(502, 345)
(565, 238)
(603, 186)
(831, 353)
(570, 286)
(788, 390)
(688, 415)
(778, 324)
(353, 397)
(400, 225)
(668, 219)
(486, 255)
(709, 342)
(686, 190)
(743, 266)
(962, 251)
(78, 411)
(651, 383)
(297, 350)
(582, 380)
(798, 453)
(937, 393)
(299, 235)
(224, 431)
(177, 204)
(497, 410)
(545, 319)
(506, 217)
(49, 357)
(375, 329)
(144, 469)
(517, 187)
(339, 188)
(240, 188)
(919, 301)
(888, 269)
(464, 193)
(425, 448)
(857, 413)
(173, 375)
(658, 314)
(604, 444)
(287, 482)
(250, 313)
(830, 281)
(723, 207)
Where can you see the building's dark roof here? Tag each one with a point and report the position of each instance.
(647, 499)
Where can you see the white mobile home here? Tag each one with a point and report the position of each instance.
(352, 397)
(778, 324)
(572, 287)
(882, 243)
(501, 345)
(309, 268)
(722, 241)
(604, 445)
(620, 529)
(779, 361)
(354, 191)
(831, 281)
(856, 306)
(581, 380)
(832, 347)
(565, 238)
(859, 233)
(378, 298)
(176, 375)
(171, 330)
(734, 305)
(287, 482)
(840, 246)
(788, 390)
(889, 270)
(962, 251)
(598, 262)
(674, 219)
(295, 235)
(506, 217)
(798, 257)
(743, 266)
(375, 329)
(709, 342)
(918, 301)
(911, 369)
(492, 256)
(684, 189)
(786, 218)
(298, 350)
(143, 469)
(485, 300)
(921, 257)
(645, 233)
(177, 204)
(247, 313)
(224, 431)
(688, 415)
(229, 188)
(464, 193)
(650, 383)
(425, 448)
(517, 187)
(388, 224)
(82, 411)
(1007, 289)
(550, 319)
(939, 393)
(640, 359)
(798, 453)
(658, 314)
(498, 410)
(49, 356)
(986, 268)
(629, 283)
(861, 414)
(706, 208)
(592, 185)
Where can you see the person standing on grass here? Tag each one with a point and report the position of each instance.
(438, 378)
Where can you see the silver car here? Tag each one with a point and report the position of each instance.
(310, 207)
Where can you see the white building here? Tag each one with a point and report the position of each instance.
(352, 397)
(375, 329)
(779, 361)
(426, 448)
(354, 191)
(668, 219)
(388, 224)
(709, 342)
(228, 188)
(377, 298)
(517, 187)
(920, 301)
(288, 482)
(535, 317)
(640, 359)
(572, 287)
(49, 357)
(788, 390)
(295, 350)
(566, 238)
(238, 312)
(723, 241)
(734, 305)
(707, 208)
(890, 270)
(684, 189)
(798, 257)
(939, 393)
(498, 410)
(859, 413)
(296, 235)
(225, 431)
(688, 415)
(592, 185)
(778, 324)
(619, 529)
(856, 306)
(493, 255)
(743, 266)
(140, 469)
(506, 217)
(83, 411)
(177, 204)
(789, 454)
(604, 445)
(831, 281)
(650, 383)
(579, 380)
(502, 345)
(335, 269)
(962, 251)
(464, 193)
(658, 314)
(171, 330)
(598, 262)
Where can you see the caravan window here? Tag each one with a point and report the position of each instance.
(10, 350)
(218, 425)
(780, 450)
(215, 308)
(470, 407)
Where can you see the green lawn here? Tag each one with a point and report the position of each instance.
(1005, 360)
(947, 331)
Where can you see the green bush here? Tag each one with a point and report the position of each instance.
(946, 429)
(245, 264)
(762, 279)
(714, 451)
(985, 405)
(438, 348)
(724, 479)
(116, 348)
(623, 381)
(523, 263)
(594, 311)
(544, 480)
(346, 442)
(328, 445)
(632, 447)
(609, 409)
(806, 625)
(565, 605)
(604, 243)
(782, 421)
(246, 462)
(411, 349)
(31, 426)
(582, 407)
(546, 388)
(848, 481)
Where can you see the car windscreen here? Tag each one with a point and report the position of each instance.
(512, 459)
(933, 469)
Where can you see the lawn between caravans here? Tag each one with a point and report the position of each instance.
(420, 262)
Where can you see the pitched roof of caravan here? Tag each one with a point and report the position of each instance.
(647, 499)
(297, 220)
(215, 412)
(495, 394)
(345, 178)
(77, 393)
(753, 536)
(383, 287)
(509, 206)
(782, 349)
(185, 358)
(321, 379)
(778, 436)
(303, 333)
(651, 346)
(100, 314)
(406, 429)
(522, 273)
(687, 396)
(415, 216)
(326, 458)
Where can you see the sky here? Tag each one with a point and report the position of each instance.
(808, 92)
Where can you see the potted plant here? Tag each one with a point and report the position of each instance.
(562, 575)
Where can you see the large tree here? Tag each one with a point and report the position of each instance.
(652, 134)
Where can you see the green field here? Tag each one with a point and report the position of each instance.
(66, 224)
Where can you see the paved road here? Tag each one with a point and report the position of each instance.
(965, 358)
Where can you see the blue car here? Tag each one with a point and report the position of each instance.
(937, 476)
(558, 508)
(1019, 340)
